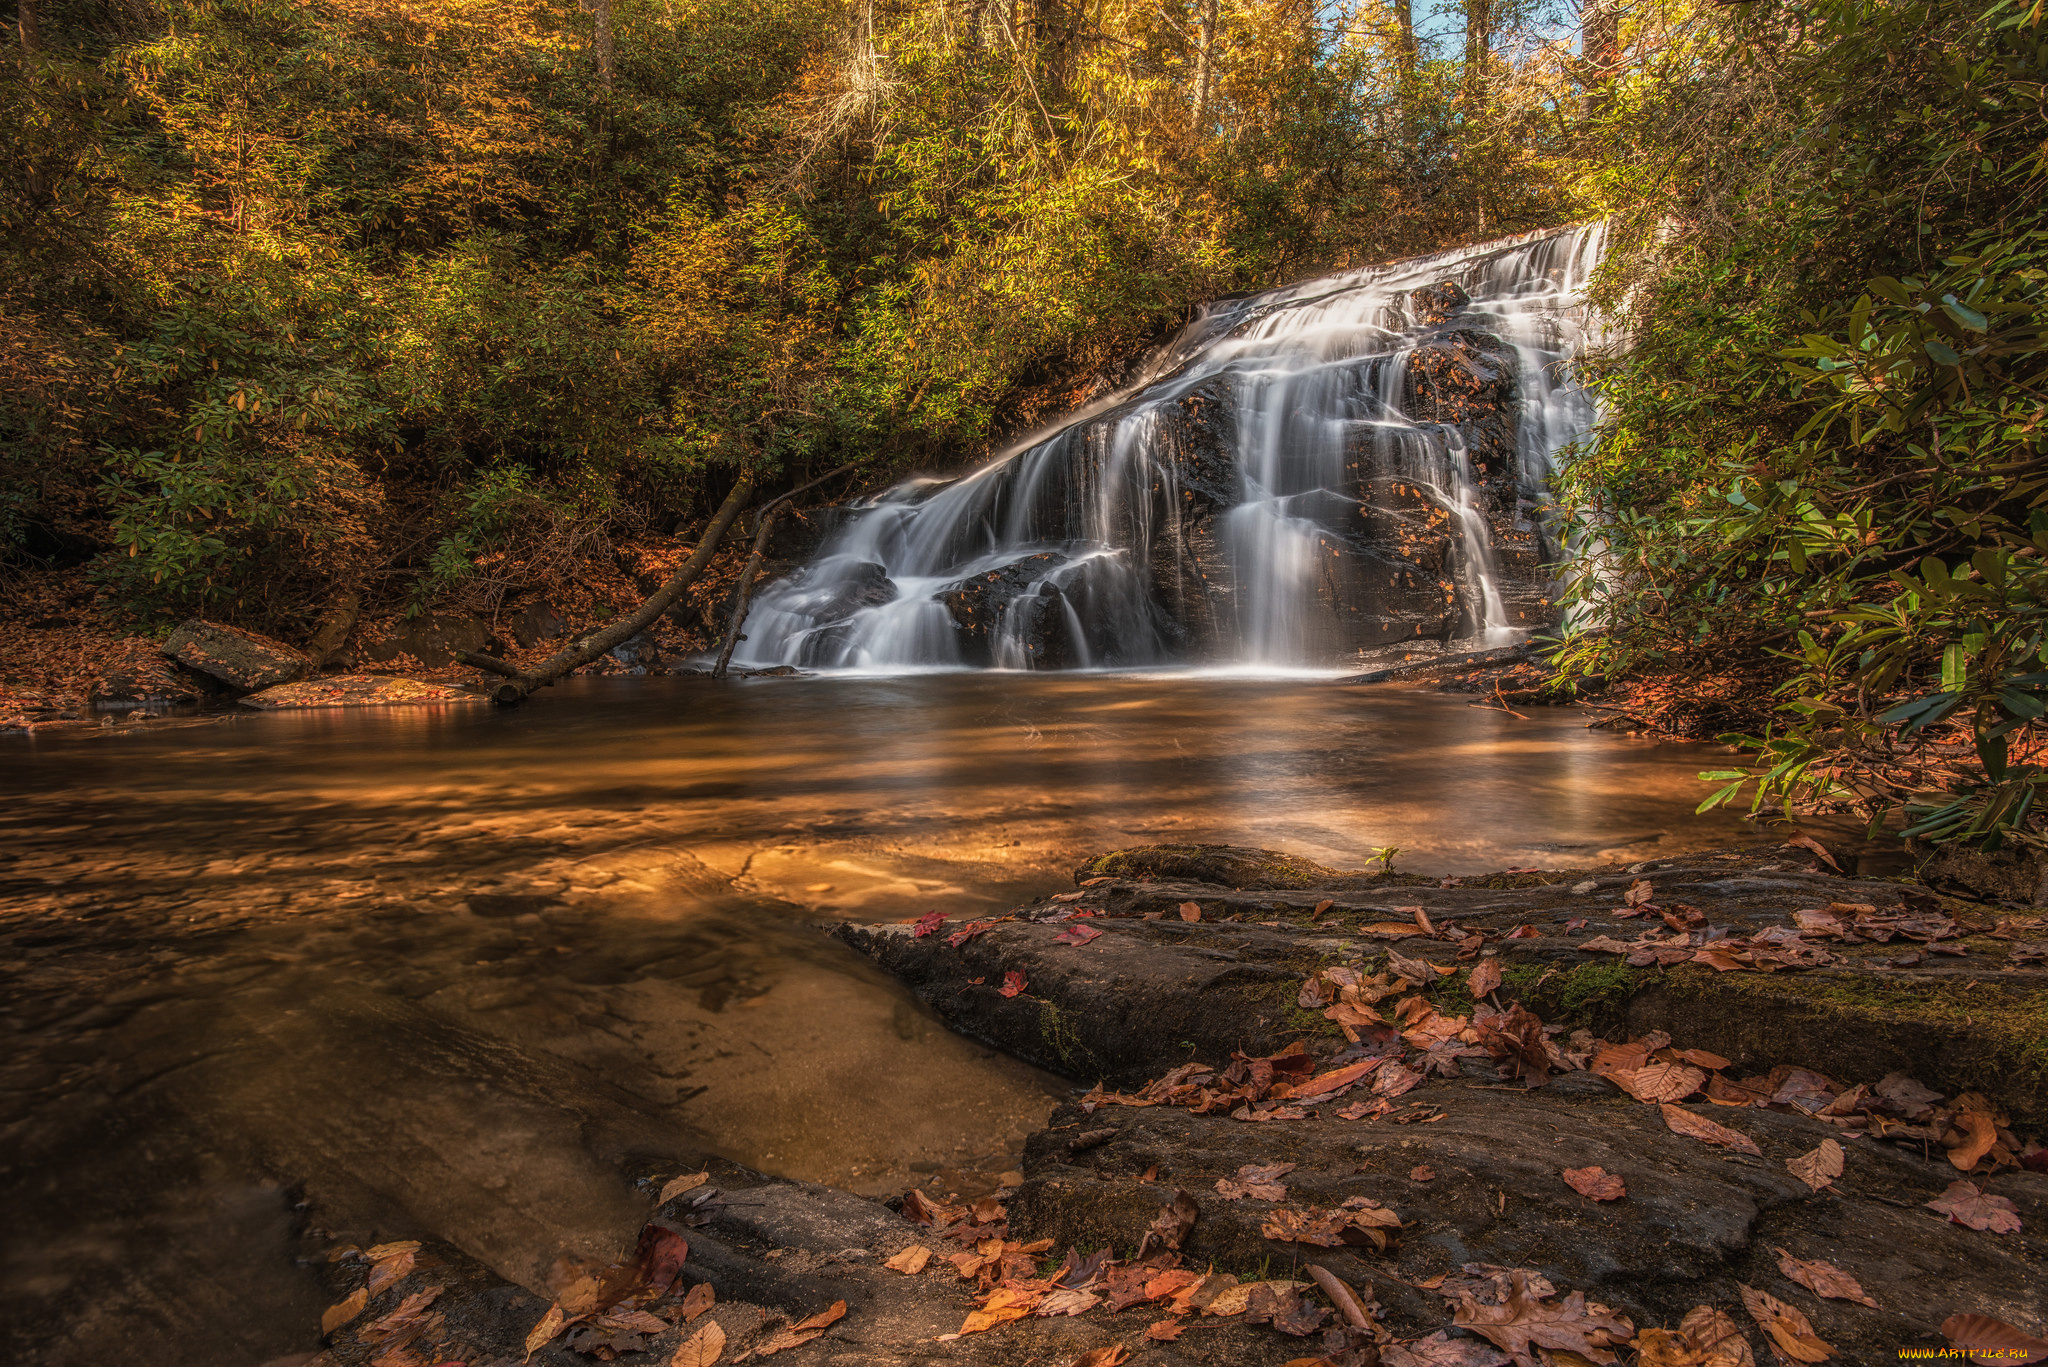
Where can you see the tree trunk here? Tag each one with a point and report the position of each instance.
(1205, 63)
(601, 44)
(1404, 15)
(746, 591)
(576, 654)
(335, 627)
(26, 28)
(1600, 49)
(1478, 48)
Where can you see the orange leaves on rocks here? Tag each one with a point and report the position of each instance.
(1822, 1278)
(1706, 1337)
(1964, 1204)
(1818, 1167)
(1682, 1121)
(1359, 1221)
(1595, 1183)
(1484, 979)
(1526, 1320)
(1260, 1182)
(1789, 1330)
(910, 1261)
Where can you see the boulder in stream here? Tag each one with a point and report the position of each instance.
(239, 658)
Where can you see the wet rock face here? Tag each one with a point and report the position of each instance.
(241, 659)
(868, 586)
(536, 622)
(1016, 599)
(1465, 378)
(1432, 304)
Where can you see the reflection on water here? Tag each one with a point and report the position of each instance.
(452, 971)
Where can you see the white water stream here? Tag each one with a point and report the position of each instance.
(1103, 543)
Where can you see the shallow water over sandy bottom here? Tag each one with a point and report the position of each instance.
(457, 972)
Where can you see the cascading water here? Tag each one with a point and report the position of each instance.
(1301, 479)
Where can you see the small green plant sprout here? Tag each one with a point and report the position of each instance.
(1385, 854)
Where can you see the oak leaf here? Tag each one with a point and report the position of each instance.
(1164, 1331)
(1483, 979)
(1524, 1321)
(1438, 1350)
(1980, 1136)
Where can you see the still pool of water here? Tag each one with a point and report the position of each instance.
(456, 971)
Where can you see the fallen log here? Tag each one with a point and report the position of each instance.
(519, 686)
(746, 589)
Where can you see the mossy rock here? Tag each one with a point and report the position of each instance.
(1230, 866)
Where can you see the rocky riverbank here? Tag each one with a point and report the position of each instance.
(1353, 1118)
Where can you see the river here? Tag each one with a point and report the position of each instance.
(279, 981)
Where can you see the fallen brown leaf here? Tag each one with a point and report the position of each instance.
(1819, 1167)
(1964, 1204)
(1980, 1136)
(1321, 907)
(687, 1182)
(1174, 1221)
(344, 1310)
(1806, 842)
(1109, 1355)
(1483, 979)
(1260, 1183)
(1655, 1082)
(1704, 1338)
(700, 1299)
(1822, 1278)
(1639, 893)
(385, 1271)
(1190, 911)
(700, 1349)
(831, 1314)
(1682, 1121)
(782, 1339)
(1525, 1320)
(1164, 1331)
(1994, 1339)
(1438, 1350)
(1422, 1172)
(544, 1332)
(1788, 1329)
(910, 1261)
(1595, 1184)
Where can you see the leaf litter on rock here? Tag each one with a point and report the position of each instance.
(1788, 1329)
(1595, 1183)
(1819, 1167)
(1822, 1278)
(1964, 1204)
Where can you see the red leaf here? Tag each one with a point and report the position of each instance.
(928, 924)
(1013, 983)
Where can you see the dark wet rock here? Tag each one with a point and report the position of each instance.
(1695, 1224)
(867, 585)
(1228, 981)
(1015, 603)
(641, 653)
(1432, 304)
(1465, 378)
(241, 659)
(537, 622)
(2016, 874)
(431, 638)
(775, 1252)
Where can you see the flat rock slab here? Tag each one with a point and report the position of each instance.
(1696, 1222)
(1155, 990)
(238, 658)
(357, 690)
(775, 1253)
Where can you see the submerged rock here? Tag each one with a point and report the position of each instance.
(241, 659)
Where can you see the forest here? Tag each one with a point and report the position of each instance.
(435, 301)
(1495, 552)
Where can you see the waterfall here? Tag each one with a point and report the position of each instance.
(1301, 479)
